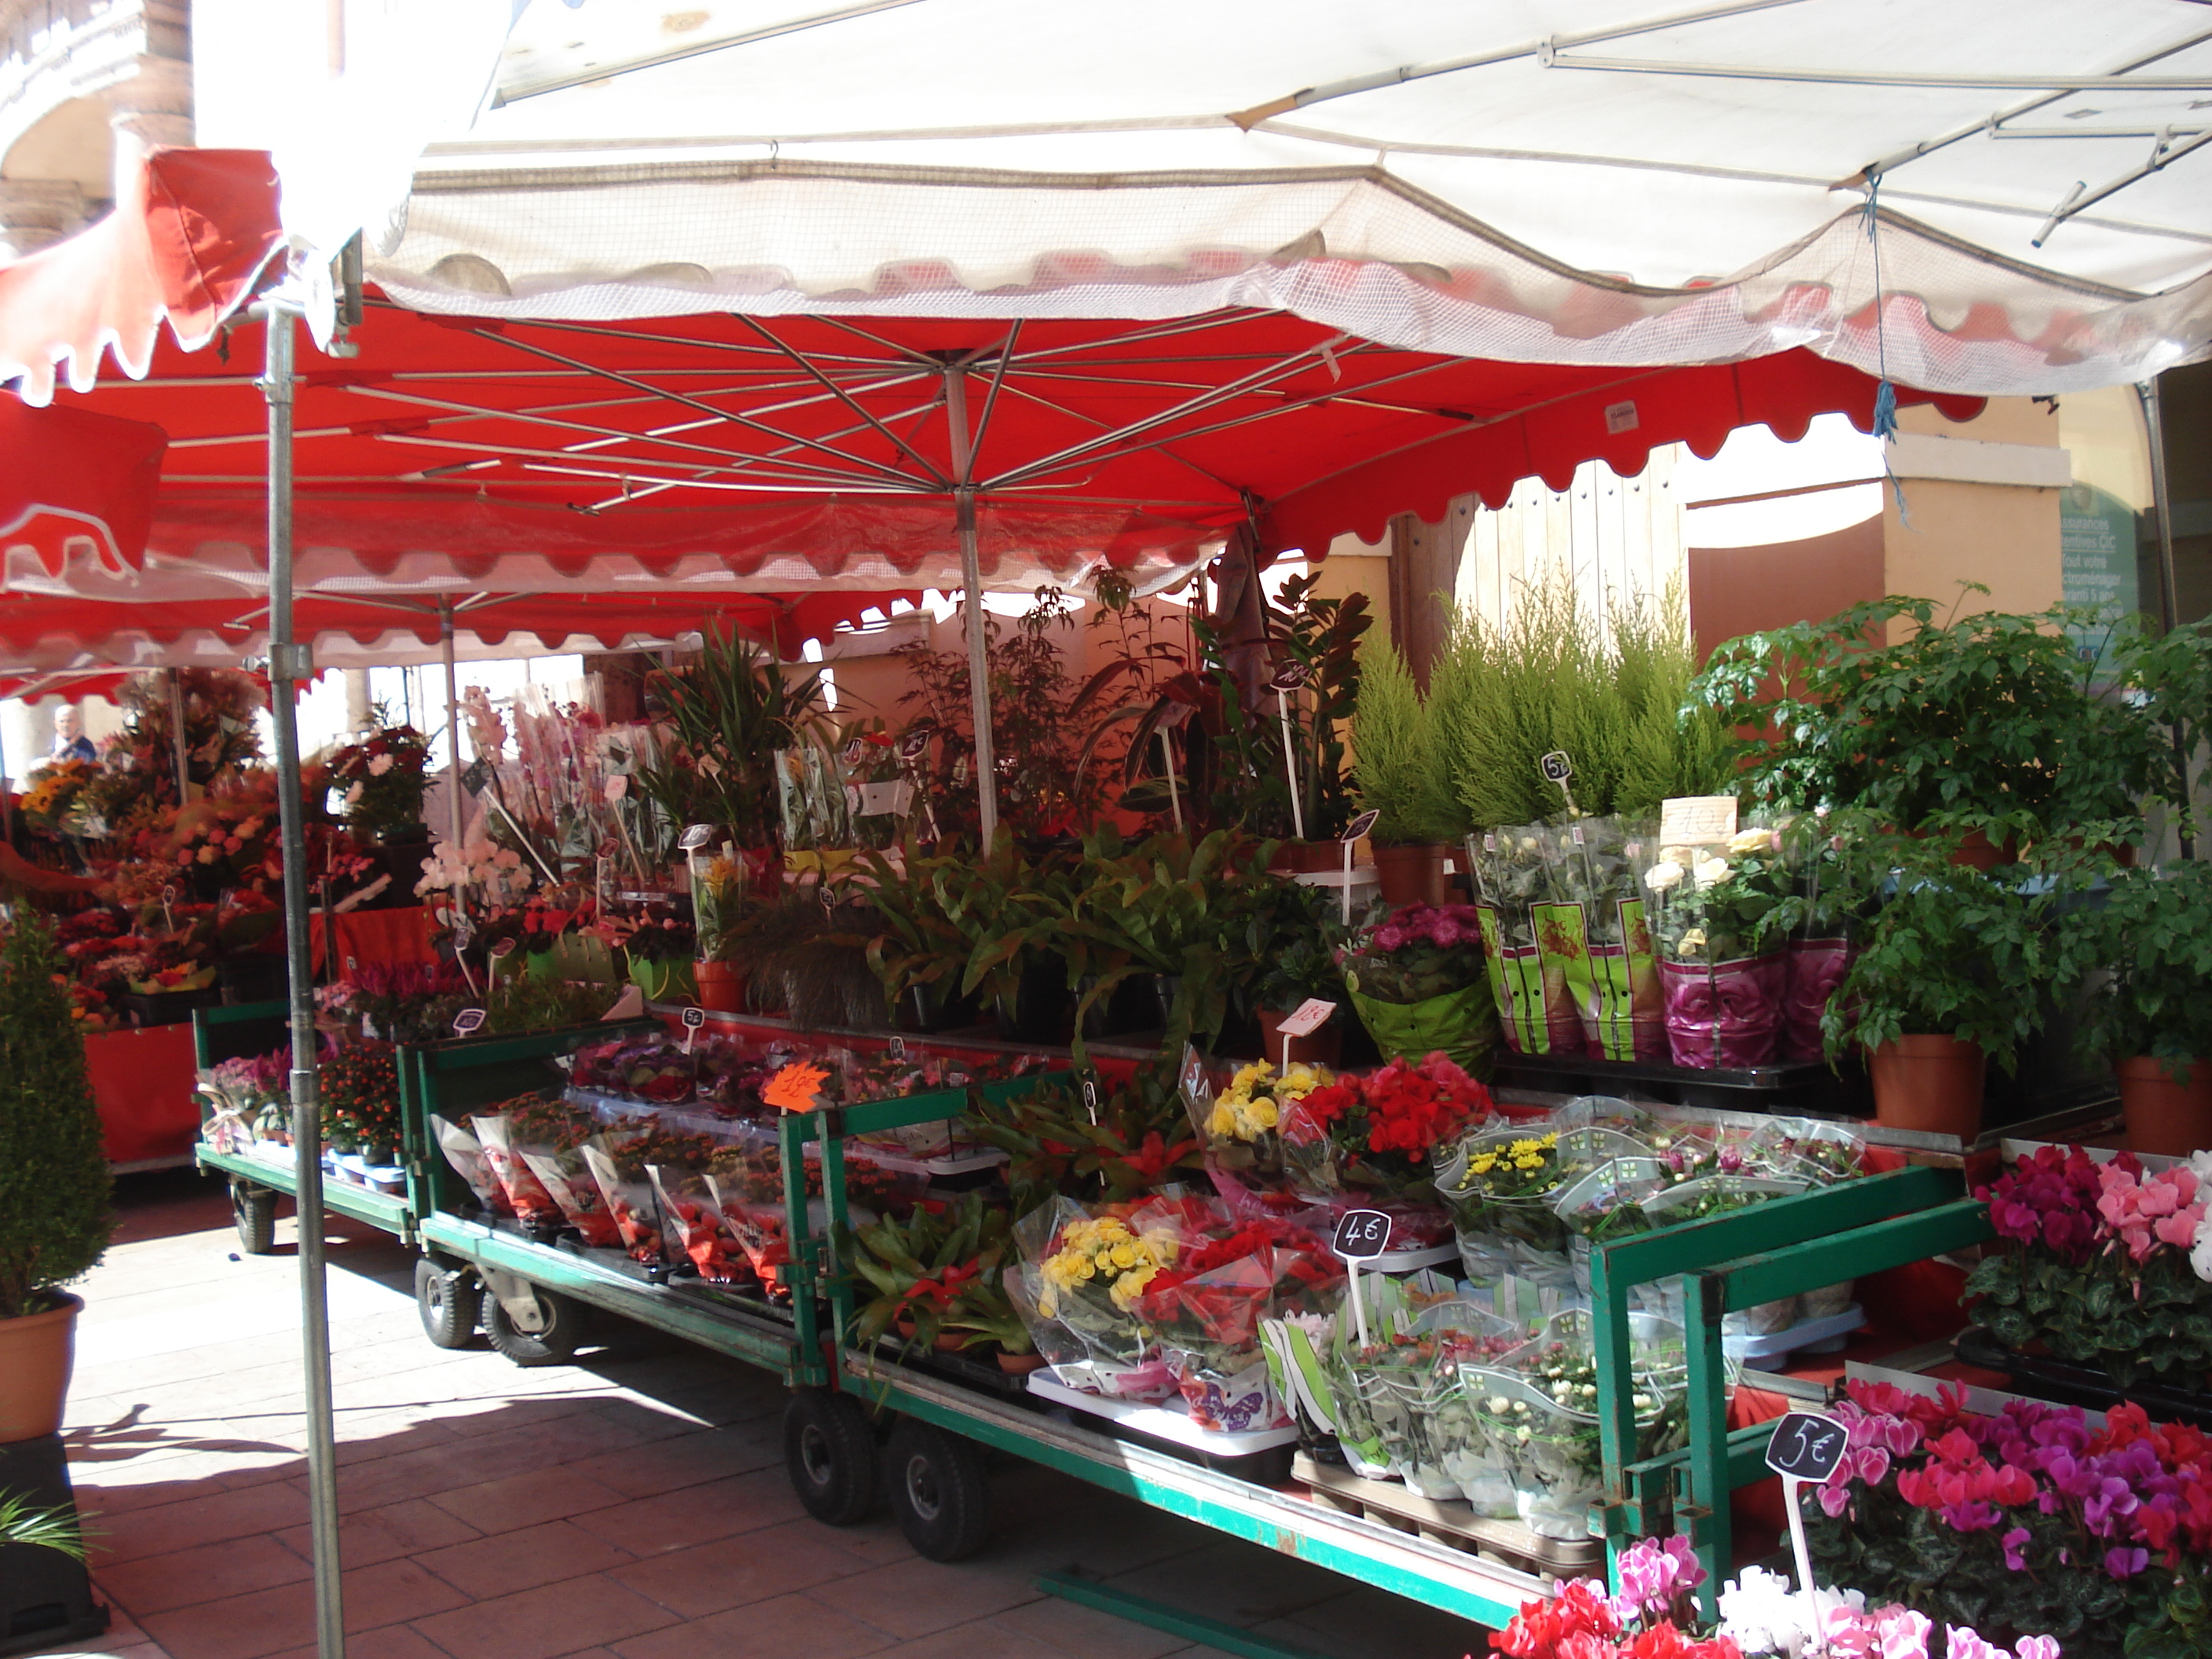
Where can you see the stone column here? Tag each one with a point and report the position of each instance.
(36, 211)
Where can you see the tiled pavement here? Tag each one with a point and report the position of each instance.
(633, 1506)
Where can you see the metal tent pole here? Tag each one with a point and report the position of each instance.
(971, 578)
(452, 724)
(290, 666)
(2169, 595)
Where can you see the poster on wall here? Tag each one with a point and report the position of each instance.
(2096, 556)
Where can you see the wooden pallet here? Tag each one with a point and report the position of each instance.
(1453, 1523)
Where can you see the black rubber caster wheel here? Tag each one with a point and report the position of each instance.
(830, 1452)
(254, 1210)
(556, 1344)
(939, 1490)
(448, 1300)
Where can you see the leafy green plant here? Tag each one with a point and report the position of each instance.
(1395, 756)
(1608, 690)
(52, 1530)
(2145, 956)
(54, 1217)
(1989, 720)
(1951, 950)
(928, 1269)
(1139, 1140)
(526, 1002)
(731, 710)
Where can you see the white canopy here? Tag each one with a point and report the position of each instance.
(1601, 181)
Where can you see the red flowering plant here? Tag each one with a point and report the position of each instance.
(1204, 1310)
(1376, 1134)
(382, 776)
(1652, 1618)
(2099, 1265)
(2029, 1520)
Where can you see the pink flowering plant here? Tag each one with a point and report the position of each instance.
(1420, 951)
(2032, 1522)
(2097, 1267)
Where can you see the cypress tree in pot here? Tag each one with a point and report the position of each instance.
(54, 1217)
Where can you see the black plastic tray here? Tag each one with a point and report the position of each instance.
(2069, 1383)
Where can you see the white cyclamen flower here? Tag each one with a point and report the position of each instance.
(2200, 1258)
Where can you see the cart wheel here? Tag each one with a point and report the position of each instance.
(449, 1300)
(830, 1452)
(939, 1490)
(254, 1209)
(556, 1344)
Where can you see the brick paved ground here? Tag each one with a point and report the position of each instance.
(633, 1505)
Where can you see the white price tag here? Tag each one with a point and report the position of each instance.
(1697, 820)
(1307, 1018)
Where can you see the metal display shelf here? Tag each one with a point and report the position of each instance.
(255, 1183)
(862, 1418)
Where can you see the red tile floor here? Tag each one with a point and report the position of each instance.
(633, 1505)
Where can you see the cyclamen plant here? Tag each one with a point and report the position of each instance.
(1420, 951)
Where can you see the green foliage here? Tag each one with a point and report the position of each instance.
(52, 1530)
(935, 1267)
(2144, 955)
(54, 1218)
(1951, 951)
(731, 709)
(1611, 691)
(526, 1002)
(1991, 720)
(1396, 761)
(2150, 1322)
(1140, 1140)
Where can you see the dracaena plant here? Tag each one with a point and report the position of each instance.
(1993, 721)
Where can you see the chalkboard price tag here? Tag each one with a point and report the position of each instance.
(1557, 767)
(1807, 1447)
(696, 837)
(1290, 676)
(855, 752)
(467, 1021)
(478, 774)
(1361, 1235)
(897, 1049)
(1091, 1099)
(500, 950)
(1360, 825)
(693, 1018)
(910, 746)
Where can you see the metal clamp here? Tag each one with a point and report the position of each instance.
(295, 660)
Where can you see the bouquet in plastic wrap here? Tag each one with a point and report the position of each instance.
(1370, 1140)
(1539, 1411)
(1514, 883)
(652, 1068)
(465, 1154)
(549, 1136)
(1240, 1130)
(1204, 1310)
(1081, 1274)
(1714, 911)
(620, 1163)
(1500, 1185)
(526, 1197)
(1415, 1395)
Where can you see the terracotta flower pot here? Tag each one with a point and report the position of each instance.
(1305, 858)
(36, 1354)
(1413, 874)
(1931, 1084)
(721, 986)
(1019, 1364)
(2168, 1115)
(1322, 1047)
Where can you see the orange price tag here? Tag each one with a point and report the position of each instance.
(793, 1087)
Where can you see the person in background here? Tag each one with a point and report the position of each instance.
(70, 740)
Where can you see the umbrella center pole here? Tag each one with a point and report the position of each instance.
(971, 578)
(290, 664)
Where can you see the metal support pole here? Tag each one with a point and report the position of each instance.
(453, 726)
(971, 578)
(182, 754)
(289, 664)
(2169, 598)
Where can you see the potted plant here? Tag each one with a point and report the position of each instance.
(924, 1267)
(721, 897)
(54, 1218)
(1416, 980)
(730, 711)
(1947, 978)
(382, 774)
(2145, 956)
(1988, 729)
(1397, 770)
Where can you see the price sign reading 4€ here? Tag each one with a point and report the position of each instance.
(1361, 1235)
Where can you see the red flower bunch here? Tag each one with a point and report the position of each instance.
(2049, 1198)
(1402, 1108)
(1580, 1622)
